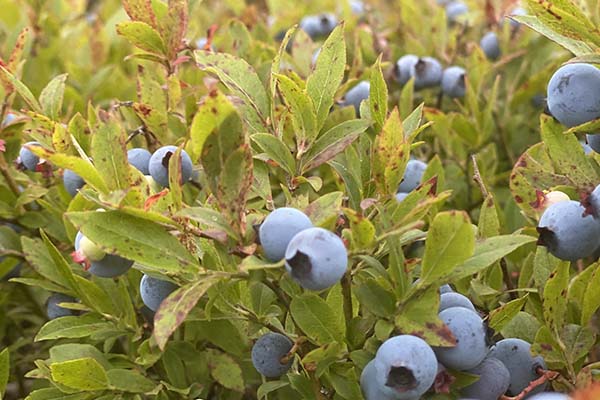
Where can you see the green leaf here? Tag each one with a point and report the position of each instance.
(300, 107)
(73, 327)
(140, 10)
(174, 26)
(333, 142)
(276, 150)
(501, 316)
(175, 308)
(213, 111)
(591, 297)
(226, 371)
(391, 152)
(555, 296)
(269, 387)
(126, 380)
(134, 238)
(276, 64)
(489, 224)
(109, 151)
(209, 218)
(241, 79)
(40, 259)
(450, 242)
(4, 370)
(314, 316)
(84, 374)
(23, 91)
(375, 298)
(418, 315)
(51, 98)
(328, 74)
(488, 252)
(378, 96)
(81, 167)
(142, 35)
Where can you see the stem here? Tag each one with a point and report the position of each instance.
(546, 376)
(507, 281)
(477, 178)
(347, 295)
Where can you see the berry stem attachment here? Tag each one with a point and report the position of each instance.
(286, 359)
(545, 376)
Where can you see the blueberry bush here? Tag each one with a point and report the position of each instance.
(230, 199)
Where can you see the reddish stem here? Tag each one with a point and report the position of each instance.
(545, 376)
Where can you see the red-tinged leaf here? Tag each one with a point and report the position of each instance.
(141, 10)
(2, 146)
(175, 308)
(175, 27)
(154, 198)
(181, 60)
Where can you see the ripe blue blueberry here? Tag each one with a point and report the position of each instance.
(574, 94)
(108, 267)
(568, 232)
(594, 202)
(446, 288)
(357, 94)
(316, 258)
(453, 299)
(278, 229)
(549, 396)
(427, 72)
(471, 339)
(405, 367)
(593, 142)
(140, 159)
(10, 117)
(516, 356)
(412, 176)
(317, 26)
(72, 182)
(153, 291)
(357, 7)
(493, 382)
(400, 196)
(201, 44)
(368, 384)
(268, 352)
(28, 159)
(453, 82)
(455, 10)
(490, 45)
(519, 11)
(53, 310)
(404, 68)
(159, 165)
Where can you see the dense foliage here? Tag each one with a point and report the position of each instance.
(148, 274)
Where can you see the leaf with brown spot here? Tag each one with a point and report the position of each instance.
(174, 309)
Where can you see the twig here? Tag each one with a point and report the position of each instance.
(546, 376)
(477, 178)
(507, 281)
(347, 295)
(285, 359)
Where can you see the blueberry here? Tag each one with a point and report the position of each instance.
(357, 94)
(10, 117)
(446, 289)
(549, 396)
(427, 72)
(404, 68)
(368, 384)
(453, 82)
(90, 250)
(317, 26)
(471, 339)
(108, 267)
(316, 258)
(357, 7)
(268, 352)
(490, 45)
(453, 299)
(587, 149)
(574, 94)
(401, 196)
(593, 142)
(568, 231)
(493, 381)
(154, 291)
(201, 43)
(405, 367)
(412, 176)
(455, 10)
(278, 229)
(516, 12)
(28, 159)
(159, 165)
(516, 356)
(594, 201)
(53, 310)
(140, 159)
(72, 182)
